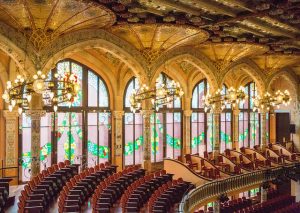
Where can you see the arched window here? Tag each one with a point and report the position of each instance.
(249, 121)
(201, 122)
(166, 128)
(82, 131)
(226, 125)
(133, 129)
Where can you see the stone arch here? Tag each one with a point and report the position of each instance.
(287, 74)
(15, 44)
(87, 39)
(251, 69)
(192, 56)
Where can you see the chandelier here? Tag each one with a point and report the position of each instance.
(268, 101)
(54, 91)
(162, 94)
(231, 98)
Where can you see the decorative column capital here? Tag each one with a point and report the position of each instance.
(188, 113)
(236, 111)
(147, 113)
(10, 115)
(118, 114)
(36, 114)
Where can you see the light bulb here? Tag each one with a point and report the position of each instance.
(35, 77)
(29, 98)
(13, 103)
(20, 110)
(39, 72)
(5, 96)
(55, 108)
(69, 96)
(51, 95)
(10, 108)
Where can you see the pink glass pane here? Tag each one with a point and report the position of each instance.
(92, 89)
(138, 142)
(45, 140)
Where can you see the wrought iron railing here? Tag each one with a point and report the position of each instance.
(208, 191)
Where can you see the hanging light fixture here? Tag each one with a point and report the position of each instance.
(162, 94)
(232, 98)
(268, 101)
(59, 89)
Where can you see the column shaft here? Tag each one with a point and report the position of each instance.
(235, 134)
(11, 138)
(118, 144)
(216, 133)
(186, 146)
(263, 138)
(35, 139)
(147, 139)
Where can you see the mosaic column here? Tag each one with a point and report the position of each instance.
(118, 144)
(147, 138)
(35, 116)
(216, 132)
(263, 194)
(217, 206)
(235, 124)
(187, 132)
(272, 127)
(263, 138)
(11, 138)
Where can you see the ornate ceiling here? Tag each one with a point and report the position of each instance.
(44, 20)
(275, 23)
(223, 30)
(153, 39)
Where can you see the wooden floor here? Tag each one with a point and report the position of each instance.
(16, 191)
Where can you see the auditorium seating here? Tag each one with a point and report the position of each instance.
(167, 195)
(235, 205)
(80, 187)
(138, 193)
(4, 192)
(40, 191)
(111, 189)
(273, 205)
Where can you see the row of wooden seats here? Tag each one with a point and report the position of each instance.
(110, 190)
(269, 206)
(4, 192)
(235, 205)
(139, 192)
(39, 192)
(79, 188)
(166, 196)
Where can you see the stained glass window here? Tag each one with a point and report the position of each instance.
(133, 129)
(25, 130)
(225, 125)
(86, 123)
(249, 121)
(166, 128)
(99, 126)
(46, 138)
(201, 122)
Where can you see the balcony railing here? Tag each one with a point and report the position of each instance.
(208, 191)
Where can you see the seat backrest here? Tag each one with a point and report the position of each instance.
(67, 163)
(163, 172)
(188, 158)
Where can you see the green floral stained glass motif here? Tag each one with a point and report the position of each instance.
(129, 149)
(26, 157)
(93, 149)
(244, 135)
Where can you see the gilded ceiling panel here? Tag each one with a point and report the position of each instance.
(159, 37)
(273, 63)
(231, 51)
